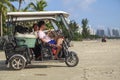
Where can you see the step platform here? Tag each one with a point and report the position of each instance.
(48, 61)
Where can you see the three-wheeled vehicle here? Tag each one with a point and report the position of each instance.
(20, 48)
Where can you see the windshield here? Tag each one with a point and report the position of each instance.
(65, 27)
(65, 22)
(54, 25)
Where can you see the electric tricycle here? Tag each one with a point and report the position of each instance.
(21, 46)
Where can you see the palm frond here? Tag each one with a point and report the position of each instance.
(38, 6)
(31, 6)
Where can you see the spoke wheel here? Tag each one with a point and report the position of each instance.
(72, 61)
(17, 63)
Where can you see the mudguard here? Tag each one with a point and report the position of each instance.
(71, 53)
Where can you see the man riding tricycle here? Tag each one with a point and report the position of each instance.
(47, 41)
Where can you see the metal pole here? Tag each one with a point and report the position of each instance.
(0, 23)
(1, 28)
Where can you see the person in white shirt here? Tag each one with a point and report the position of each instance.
(45, 38)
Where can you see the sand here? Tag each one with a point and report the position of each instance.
(98, 61)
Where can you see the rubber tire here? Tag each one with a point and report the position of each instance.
(77, 60)
(23, 64)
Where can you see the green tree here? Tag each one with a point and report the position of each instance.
(38, 6)
(75, 29)
(85, 30)
(73, 25)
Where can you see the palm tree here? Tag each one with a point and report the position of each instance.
(38, 6)
(20, 3)
(4, 6)
(73, 25)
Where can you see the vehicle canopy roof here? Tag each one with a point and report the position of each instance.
(27, 16)
(37, 14)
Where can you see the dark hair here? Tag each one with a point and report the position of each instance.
(40, 23)
(34, 25)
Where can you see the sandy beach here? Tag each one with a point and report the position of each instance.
(97, 61)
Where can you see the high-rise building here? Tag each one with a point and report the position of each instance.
(119, 32)
(100, 32)
(109, 32)
(115, 32)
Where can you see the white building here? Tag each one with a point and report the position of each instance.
(92, 31)
(79, 29)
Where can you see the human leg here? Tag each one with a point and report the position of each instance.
(59, 47)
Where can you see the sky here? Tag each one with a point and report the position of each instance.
(100, 13)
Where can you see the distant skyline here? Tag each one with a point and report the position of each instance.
(110, 32)
(100, 13)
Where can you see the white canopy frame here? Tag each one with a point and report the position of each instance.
(31, 16)
(37, 14)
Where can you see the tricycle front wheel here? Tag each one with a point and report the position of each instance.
(72, 60)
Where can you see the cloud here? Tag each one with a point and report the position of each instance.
(77, 7)
(86, 3)
(82, 4)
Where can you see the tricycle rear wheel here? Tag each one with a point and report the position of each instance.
(17, 63)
